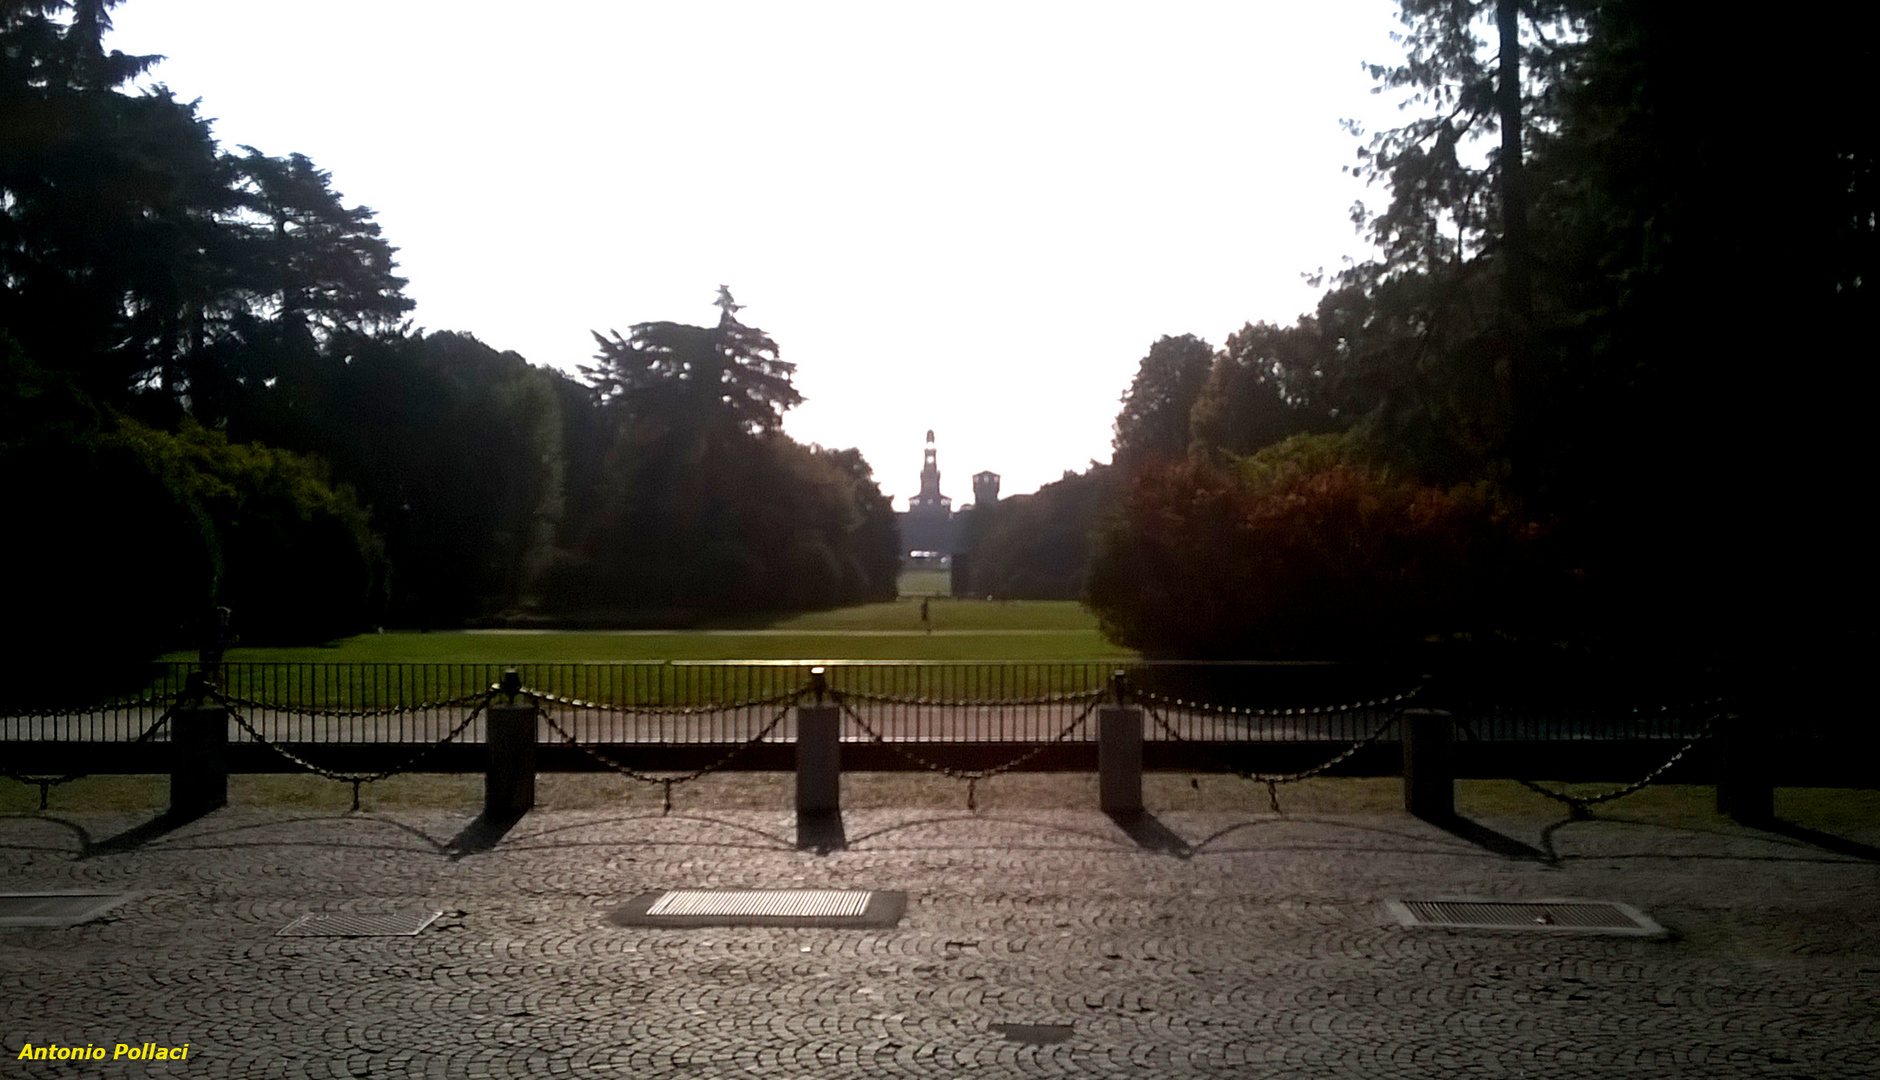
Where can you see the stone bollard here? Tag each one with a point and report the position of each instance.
(1745, 789)
(1119, 754)
(1429, 765)
(818, 754)
(509, 778)
(199, 759)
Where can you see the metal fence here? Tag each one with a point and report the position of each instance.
(907, 701)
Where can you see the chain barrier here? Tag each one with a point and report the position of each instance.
(664, 710)
(354, 714)
(1077, 697)
(106, 707)
(789, 702)
(355, 779)
(46, 783)
(1273, 780)
(1149, 697)
(971, 776)
(1578, 805)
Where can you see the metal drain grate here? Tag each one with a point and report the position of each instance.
(763, 907)
(788, 903)
(1571, 916)
(56, 908)
(344, 924)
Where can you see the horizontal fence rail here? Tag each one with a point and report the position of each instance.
(705, 703)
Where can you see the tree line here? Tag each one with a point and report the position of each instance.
(1583, 397)
(213, 397)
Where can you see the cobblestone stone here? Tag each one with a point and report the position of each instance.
(1262, 950)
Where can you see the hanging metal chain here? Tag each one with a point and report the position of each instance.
(46, 783)
(1273, 780)
(661, 710)
(106, 707)
(668, 781)
(1152, 698)
(1579, 804)
(355, 779)
(1075, 697)
(971, 776)
(352, 714)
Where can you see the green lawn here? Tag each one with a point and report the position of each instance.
(1028, 631)
(918, 583)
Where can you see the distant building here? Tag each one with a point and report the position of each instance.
(985, 488)
(930, 529)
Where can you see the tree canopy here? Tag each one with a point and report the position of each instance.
(214, 344)
(1577, 305)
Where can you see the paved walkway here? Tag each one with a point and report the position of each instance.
(1205, 944)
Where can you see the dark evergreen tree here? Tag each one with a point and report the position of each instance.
(703, 378)
(110, 206)
(1038, 546)
(1265, 385)
(702, 505)
(1153, 423)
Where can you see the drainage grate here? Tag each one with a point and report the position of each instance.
(1571, 916)
(343, 924)
(763, 907)
(56, 908)
(789, 903)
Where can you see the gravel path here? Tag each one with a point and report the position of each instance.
(1199, 942)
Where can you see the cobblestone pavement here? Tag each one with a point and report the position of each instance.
(1195, 944)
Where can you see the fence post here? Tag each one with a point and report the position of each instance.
(1746, 789)
(818, 753)
(199, 754)
(1119, 753)
(1429, 765)
(509, 777)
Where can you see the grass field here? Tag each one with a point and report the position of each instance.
(918, 583)
(1027, 631)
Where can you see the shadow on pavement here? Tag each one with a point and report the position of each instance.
(161, 825)
(821, 833)
(1487, 839)
(1840, 845)
(481, 835)
(1149, 833)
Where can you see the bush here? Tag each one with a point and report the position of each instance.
(296, 561)
(1302, 551)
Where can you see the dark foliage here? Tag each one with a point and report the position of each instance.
(1300, 558)
(701, 506)
(1037, 547)
(1605, 320)
(205, 351)
(1153, 424)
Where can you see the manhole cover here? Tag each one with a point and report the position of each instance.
(56, 908)
(762, 907)
(1034, 1034)
(1570, 916)
(343, 924)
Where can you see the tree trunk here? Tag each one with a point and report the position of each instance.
(1517, 295)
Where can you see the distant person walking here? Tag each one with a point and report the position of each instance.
(924, 622)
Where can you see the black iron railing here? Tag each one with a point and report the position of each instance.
(685, 702)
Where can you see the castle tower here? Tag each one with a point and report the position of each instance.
(927, 525)
(930, 482)
(985, 488)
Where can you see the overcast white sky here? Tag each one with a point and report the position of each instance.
(970, 217)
